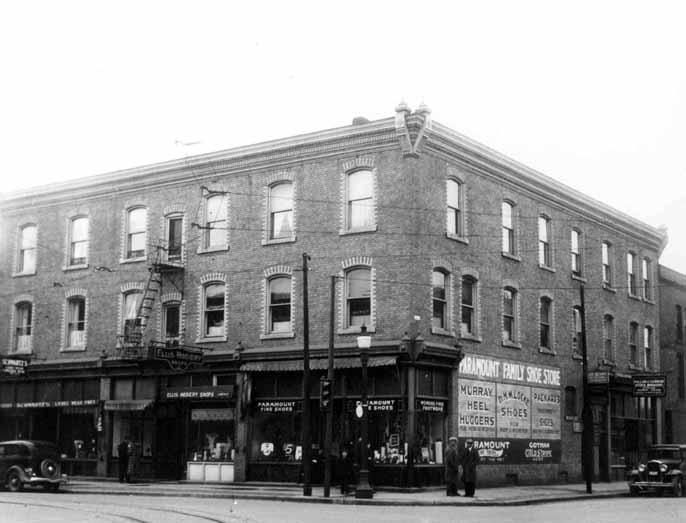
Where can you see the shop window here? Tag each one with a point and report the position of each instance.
(78, 241)
(23, 321)
(264, 385)
(26, 256)
(430, 438)
(223, 380)
(546, 323)
(174, 237)
(544, 248)
(276, 437)
(290, 385)
(215, 226)
(213, 314)
(358, 297)
(213, 431)
(576, 253)
(606, 265)
(439, 285)
(281, 211)
(279, 305)
(360, 200)
(201, 380)
(76, 323)
(455, 201)
(508, 228)
(424, 382)
(633, 343)
(136, 225)
(178, 380)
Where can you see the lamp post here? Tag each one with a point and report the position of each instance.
(364, 490)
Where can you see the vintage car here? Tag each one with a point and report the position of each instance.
(664, 470)
(27, 462)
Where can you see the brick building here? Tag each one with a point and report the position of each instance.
(165, 304)
(673, 351)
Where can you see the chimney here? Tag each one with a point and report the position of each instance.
(360, 120)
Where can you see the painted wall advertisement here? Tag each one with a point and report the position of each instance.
(511, 410)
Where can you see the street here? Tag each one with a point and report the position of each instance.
(39, 507)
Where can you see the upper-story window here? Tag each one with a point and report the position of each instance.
(174, 226)
(508, 228)
(213, 314)
(631, 273)
(679, 324)
(171, 321)
(546, 306)
(648, 347)
(78, 241)
(455, 198)
(607, 265)
(646, 270)
(468, 316)
(76, 323)
(279, 305)
(633, 343)
(577, 331)
(23, 324)
(439, 285)
(358, 297)
(215, 221)
(281, 211)
(608, 337)
(544, 252)
(136, 236)
(360, 200)
(130, 303)
(576, 253)
(509, 314)
(26, 257)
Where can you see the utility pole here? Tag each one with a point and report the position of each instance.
(586, 413)
(306, 435)
(329, 408)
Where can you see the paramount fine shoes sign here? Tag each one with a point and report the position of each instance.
(14, 366)
(649, 385)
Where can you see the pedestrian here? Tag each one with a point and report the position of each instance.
(345, 471)
(469, 460)
(123, 450)
(452, 466)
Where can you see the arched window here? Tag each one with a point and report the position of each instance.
(23, 323)
(454, 211)
(545, 323)
(439, 286)
(26, 258)
(468, 314)
(279, 305)
(213, 314)
(130, 303)
(360, 201)
(78, 241)
(509, 314)
(508, 228)
(281, 211)
(358, 297)
(136, 223)
(215, 221)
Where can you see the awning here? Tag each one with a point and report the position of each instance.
(211, 414)
(316, 364)
(127, 404)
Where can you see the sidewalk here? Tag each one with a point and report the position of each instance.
(495, 496)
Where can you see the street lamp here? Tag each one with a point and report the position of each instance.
(364, 490)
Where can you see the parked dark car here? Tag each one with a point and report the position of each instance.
(664, 470)
(26, 462)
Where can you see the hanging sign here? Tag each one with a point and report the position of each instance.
(14, 366)
(178, 358)
(649, 385)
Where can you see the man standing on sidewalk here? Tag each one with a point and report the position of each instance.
(470, 459)
(452, 465)
(123, 450)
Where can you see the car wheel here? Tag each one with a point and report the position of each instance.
(49, 468)
(14, 483)
(677, 487)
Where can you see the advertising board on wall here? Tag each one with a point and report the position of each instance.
(511, 410)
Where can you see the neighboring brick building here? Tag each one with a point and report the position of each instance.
(673, 351)
(442, 247)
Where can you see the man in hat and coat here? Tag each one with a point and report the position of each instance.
(469, 460)
(452, 466)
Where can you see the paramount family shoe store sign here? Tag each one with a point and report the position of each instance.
(510, 409)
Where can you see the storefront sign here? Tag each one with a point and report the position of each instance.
(279, 406)
(178, 358)
(14, 366)
(517, 451)
(48, 404)
(211, 414)
(501, 370)
(199, 393)
(375, 405)
(513, 411)
(598, 378)
(545, 414)
(430, 405)
(649, 385)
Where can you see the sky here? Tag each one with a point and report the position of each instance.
(592, 94)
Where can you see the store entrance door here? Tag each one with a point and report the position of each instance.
(170, 455)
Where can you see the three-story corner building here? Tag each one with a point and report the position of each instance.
(164, 304)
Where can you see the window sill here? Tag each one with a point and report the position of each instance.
(546, 350)
(472, 338)
(20, 353)
(457, 237)
(635, 367)
(579, 278)
(546, 268)
(133, 260)
(511, 256)
(649, 301)
(23, 274)
(80, 348)
(217, 339)
(357, 231)
(355, 330)
(218, 248)
(441, 332)
(608, 363)
(634, 297)
(609, 288)
(278, 241)
(75, 267)
(512, 345)
(277, 335)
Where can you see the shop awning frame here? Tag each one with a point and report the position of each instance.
(127, 405)
(352, 362)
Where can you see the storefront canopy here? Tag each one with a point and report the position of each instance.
(316, 364)
(127, 404)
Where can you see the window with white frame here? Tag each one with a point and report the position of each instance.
(360, 200)
(171, 322)
(508, 228)
(544, 254)
(215, 226)
(213, 313)
(358, 296)
(509, 314)
(646, 269)
(23, 323)
(439, 286)
(576, 253)
(174, 226)
(633, 343)
(76, 323)
(607, 266)
(577, 331)
(136, 235)
(281, 211)
(26, 257)
(454, 212)
(608, 337)
(631, 273)
(279, 305)
(647, 347)
(131, 303)
(468, 312)
(78, 241)
(546, 311)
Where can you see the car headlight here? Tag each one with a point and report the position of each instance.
(28, 470)
(641, 468)
(663, 468)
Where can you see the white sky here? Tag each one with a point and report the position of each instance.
(590, 93)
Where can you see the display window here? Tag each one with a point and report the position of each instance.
(276, 436)
(213, 432)
(78, 434)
